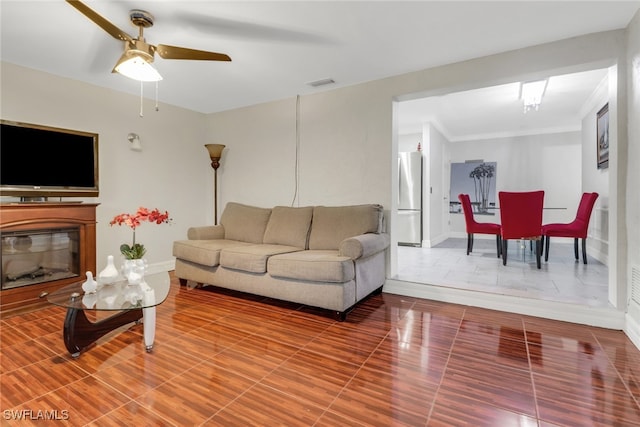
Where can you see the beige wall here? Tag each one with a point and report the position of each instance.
(342, 154)
(171, 173)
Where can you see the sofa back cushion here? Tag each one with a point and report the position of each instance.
(244, 223)
(289, 226)
(331, 225)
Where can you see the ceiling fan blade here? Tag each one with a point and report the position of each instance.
(100, 21)
(173, 52)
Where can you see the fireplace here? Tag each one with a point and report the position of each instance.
(38, 256)
(44, 247)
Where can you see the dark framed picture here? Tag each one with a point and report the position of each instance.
(477, 179)
(603, 137)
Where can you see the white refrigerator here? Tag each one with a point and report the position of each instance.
(410, 198)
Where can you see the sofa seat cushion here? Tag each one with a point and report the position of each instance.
(252, 258)
(312, 265)
(205, 252)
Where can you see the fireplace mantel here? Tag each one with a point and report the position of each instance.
(27, 217)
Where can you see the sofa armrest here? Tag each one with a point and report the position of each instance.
(208, 232)
(364, 245)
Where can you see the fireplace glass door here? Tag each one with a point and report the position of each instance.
(37, 256)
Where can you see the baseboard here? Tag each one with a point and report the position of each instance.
(158, 267)
(609, 318)
(632, 329)
(600, 256)
(429, 243)
(459, 235)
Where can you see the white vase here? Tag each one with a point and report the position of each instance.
(133, 270)
(110, 273)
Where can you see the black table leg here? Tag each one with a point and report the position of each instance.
(80, 333)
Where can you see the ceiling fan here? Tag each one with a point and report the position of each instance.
(138, 55)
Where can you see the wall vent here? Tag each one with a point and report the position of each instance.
(635, 284)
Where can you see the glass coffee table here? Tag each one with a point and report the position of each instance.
(130, 303)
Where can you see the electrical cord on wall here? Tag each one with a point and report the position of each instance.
(297, 162)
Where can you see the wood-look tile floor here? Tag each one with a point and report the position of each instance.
(222, 359)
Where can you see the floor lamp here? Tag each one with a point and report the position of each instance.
(215, 152)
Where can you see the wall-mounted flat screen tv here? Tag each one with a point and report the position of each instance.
(42, 161)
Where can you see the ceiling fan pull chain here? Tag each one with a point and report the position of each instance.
(157, 109)
(141, 99)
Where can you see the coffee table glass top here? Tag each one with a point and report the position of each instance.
(119, 295)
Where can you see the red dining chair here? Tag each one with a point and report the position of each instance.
(521, 218)
(474, 227)
(576, 228)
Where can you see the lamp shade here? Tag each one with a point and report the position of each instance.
(215, 150)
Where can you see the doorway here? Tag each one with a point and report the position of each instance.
(496, 128)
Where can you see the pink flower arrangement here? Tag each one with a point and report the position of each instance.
(137, 250)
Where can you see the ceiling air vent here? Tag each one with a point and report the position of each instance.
(321, 82)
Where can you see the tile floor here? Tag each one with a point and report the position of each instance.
(222, 359)
(560, 279)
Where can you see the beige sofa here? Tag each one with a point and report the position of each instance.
(327, 257)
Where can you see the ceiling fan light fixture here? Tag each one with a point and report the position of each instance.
(136, 61)
(135, 66)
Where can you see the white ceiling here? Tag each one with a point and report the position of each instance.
(278, 47)
(498, 111)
